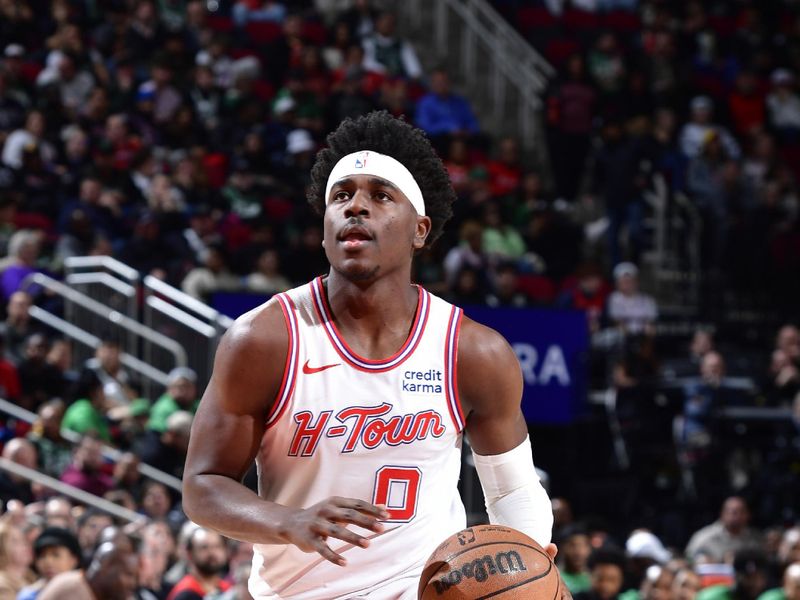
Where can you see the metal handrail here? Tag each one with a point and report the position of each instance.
(114, 316)
(111, 453)
(68, 490)
(514, 63)
(106, 262)
(115, 284)
(183, 317)
(92, 341)
(180, 298)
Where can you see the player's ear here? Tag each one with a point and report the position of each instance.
(422, 231)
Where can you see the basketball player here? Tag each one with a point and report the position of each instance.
(352, 393)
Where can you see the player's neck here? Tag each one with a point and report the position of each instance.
(385, 306)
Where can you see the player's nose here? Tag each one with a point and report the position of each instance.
(358, 204)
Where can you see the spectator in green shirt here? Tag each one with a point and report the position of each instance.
(574, 550)
(791, 586)
(607, 567)
(181, 394)
(87, 413)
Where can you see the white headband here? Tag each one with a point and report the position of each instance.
(367, 162)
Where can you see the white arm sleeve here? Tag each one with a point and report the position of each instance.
(514, 494)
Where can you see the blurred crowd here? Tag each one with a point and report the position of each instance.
(177, 136)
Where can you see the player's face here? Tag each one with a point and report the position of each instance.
(371, 228)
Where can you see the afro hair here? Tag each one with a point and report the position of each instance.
(381, 132)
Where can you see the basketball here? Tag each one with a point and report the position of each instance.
(489, 561)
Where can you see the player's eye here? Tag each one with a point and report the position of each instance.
(341, 196)
(383, 197)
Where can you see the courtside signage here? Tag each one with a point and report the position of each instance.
(552, 348)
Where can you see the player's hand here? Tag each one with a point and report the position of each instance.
(309, 529)
(552, 550)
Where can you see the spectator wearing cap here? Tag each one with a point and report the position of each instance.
(783, 106)
(750, 568)
(656, 584)
(300, 150)
(644, 550)
(166, 450)
(55, 551)
(694, 132)
(719, 541)
(181, 394)
(629, 309)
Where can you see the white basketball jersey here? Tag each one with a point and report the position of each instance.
(385, 431)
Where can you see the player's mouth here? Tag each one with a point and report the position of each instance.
(354, 237)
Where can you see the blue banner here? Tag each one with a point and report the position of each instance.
(552, 347)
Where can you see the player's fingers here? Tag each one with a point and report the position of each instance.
(324, 550)
(350, 515)
(362, 506)
(551, 550)
(344, 534)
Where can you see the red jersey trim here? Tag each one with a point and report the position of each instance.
(353, 359)
(451, 369)
(290, 367)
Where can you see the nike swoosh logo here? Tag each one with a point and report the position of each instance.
(310, 370)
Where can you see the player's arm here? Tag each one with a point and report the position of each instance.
(226, 435)
(490, 389)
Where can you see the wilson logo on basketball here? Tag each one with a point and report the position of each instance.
(481, 569)
(363, 426)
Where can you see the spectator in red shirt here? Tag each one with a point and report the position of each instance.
(9, 380)
(746, 105)
(86, 470)
(208, 562)
(505, 173)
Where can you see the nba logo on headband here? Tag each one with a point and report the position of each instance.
(361, 160)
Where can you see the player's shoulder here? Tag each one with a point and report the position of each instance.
(260, 329)
(478, 342)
